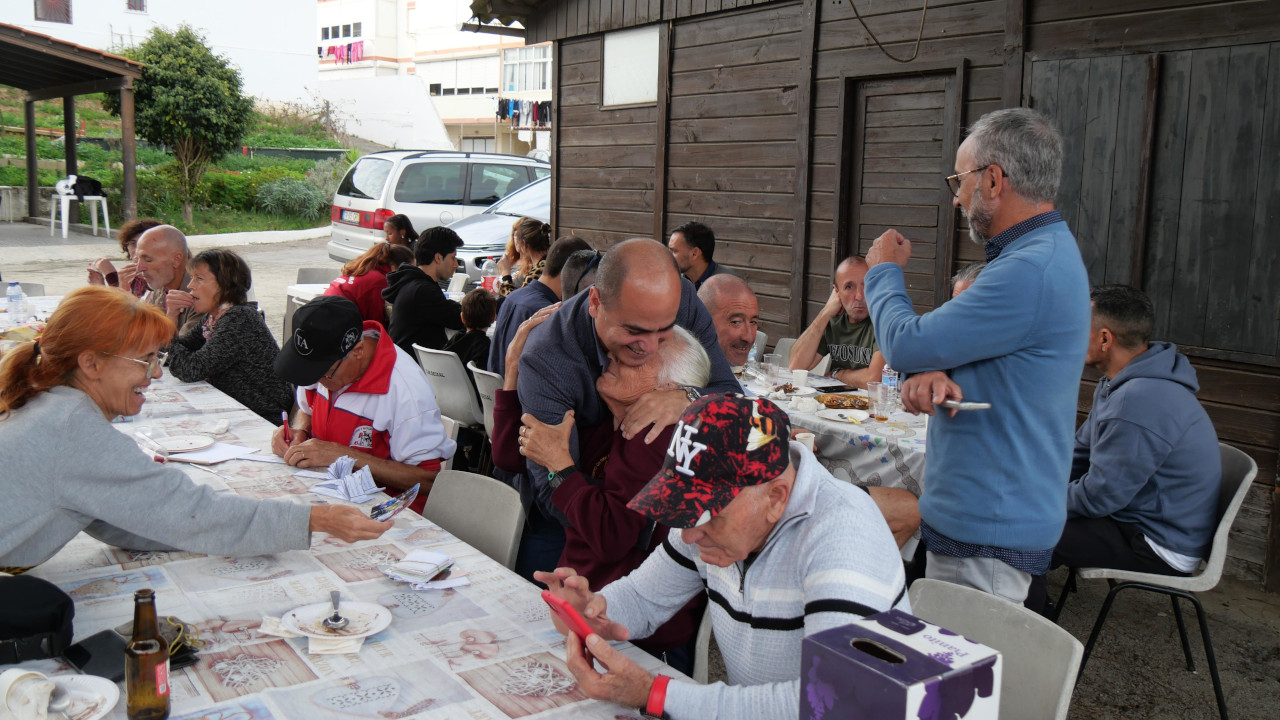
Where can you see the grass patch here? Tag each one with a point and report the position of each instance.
(211, 221)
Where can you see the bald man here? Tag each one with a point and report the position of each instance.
(843, 329)
(736, 313)
(638, 296)
(162, 258)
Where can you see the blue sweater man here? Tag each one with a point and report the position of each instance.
(994, 498)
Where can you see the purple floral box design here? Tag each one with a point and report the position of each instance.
(894, 665)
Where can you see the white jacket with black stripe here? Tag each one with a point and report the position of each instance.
(830, 560)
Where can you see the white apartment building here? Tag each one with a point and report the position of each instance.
(464, 77)
(273, 52)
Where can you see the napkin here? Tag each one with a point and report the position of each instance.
(344, 484)
(315, 646)
(420, 566)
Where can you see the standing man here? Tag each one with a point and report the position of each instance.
(735, 312)
(359, 395)
(843, 330)
(1145, 472)
(420, 312)
(162, 257)
(693, 245)
(995, 503)
(522, 303)
(638, 297)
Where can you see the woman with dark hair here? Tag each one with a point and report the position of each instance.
(532, 241)
(399, 231)
(102, 272)
(364, 278)
(232, 348)
(67, 469)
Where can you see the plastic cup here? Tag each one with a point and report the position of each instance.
(881, 401)
(772, 362)
(800, 378)
(806, 439)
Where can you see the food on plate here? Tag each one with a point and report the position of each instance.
(785, 388)
(841, 401)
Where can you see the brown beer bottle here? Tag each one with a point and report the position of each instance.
(146, 663)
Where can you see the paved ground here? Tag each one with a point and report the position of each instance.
(1137, 670)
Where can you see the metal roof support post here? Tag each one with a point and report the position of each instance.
(29, 121)
(128, 152)
(69, 147)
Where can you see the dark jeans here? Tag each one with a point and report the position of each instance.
(1100, 542)
(540, 546)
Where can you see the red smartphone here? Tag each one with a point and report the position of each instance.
(568, 615)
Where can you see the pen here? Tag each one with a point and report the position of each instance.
(288, 433)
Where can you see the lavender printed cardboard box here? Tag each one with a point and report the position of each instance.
(894, 665)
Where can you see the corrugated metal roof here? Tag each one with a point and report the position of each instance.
(505, 12)
(31, 61)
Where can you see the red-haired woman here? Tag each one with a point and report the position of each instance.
(66, 469)
(364, 278)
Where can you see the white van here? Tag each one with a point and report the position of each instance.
(430, 187)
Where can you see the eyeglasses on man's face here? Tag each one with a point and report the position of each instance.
(953, 181)
(336, 367)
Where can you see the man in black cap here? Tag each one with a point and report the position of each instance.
(359, 395)
(781, 549)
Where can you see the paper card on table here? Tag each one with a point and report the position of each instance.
(265, 457)
(312, 474)
(334, 646)
(216, 453)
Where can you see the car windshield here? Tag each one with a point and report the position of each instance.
(532, 200)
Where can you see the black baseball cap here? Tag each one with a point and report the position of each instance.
(324, 331)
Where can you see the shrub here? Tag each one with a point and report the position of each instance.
(270, 174)
(291, 196)
(326, 174)
(230, 189)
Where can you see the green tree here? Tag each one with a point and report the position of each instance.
(188, 99)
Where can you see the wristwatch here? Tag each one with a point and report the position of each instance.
(654, 708)
(555, 477)
(691, 392)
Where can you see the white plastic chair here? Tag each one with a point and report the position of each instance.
(702, 648)
(1040, 658)
(63, 202)
(487, 384)
(823, 366)
(450, 432)
(32, 289)
(451, 385)
(478, 510)
(783, 348)
(317, 275)
(762, 338)
(1238, 472)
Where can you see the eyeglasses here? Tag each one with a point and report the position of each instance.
(151, 364)
(953, 181)
(334, 370)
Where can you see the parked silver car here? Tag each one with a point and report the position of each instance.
(430, 187)
(486, 234)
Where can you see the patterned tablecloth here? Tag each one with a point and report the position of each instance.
(484, 651)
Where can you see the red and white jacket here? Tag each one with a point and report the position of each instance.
(389, 411)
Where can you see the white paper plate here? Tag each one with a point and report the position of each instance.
(90, 697)
(185, 443)
(366, 619)
(844, 415)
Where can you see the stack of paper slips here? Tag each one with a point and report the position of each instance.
(315, 646)
(426, 570)
(343, 484)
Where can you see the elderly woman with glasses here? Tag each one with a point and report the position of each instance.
(232, 348)
(66, 469)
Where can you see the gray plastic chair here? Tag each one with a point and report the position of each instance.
(783, 347)
(32, 289)
(1238, 472)
(1040, 658)
(317, 276)
(478, 510)
(487, 384)
(451, 385)
(702, 648)
(762, 338)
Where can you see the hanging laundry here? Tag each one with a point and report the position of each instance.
(357, 51)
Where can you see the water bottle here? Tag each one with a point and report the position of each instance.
(889, 378)
(14, 298)
(489, 275)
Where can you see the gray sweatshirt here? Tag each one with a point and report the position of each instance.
(66, 469)
(830, 560)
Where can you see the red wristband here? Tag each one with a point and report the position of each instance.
(657, 696)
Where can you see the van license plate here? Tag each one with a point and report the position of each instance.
(350, 216)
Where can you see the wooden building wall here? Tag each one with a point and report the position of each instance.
(783, 126)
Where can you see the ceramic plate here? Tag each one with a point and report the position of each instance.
(89, 697)
(185, 443)
(844, 415)
(366, 619)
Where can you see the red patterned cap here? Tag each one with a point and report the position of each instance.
(723, 443)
